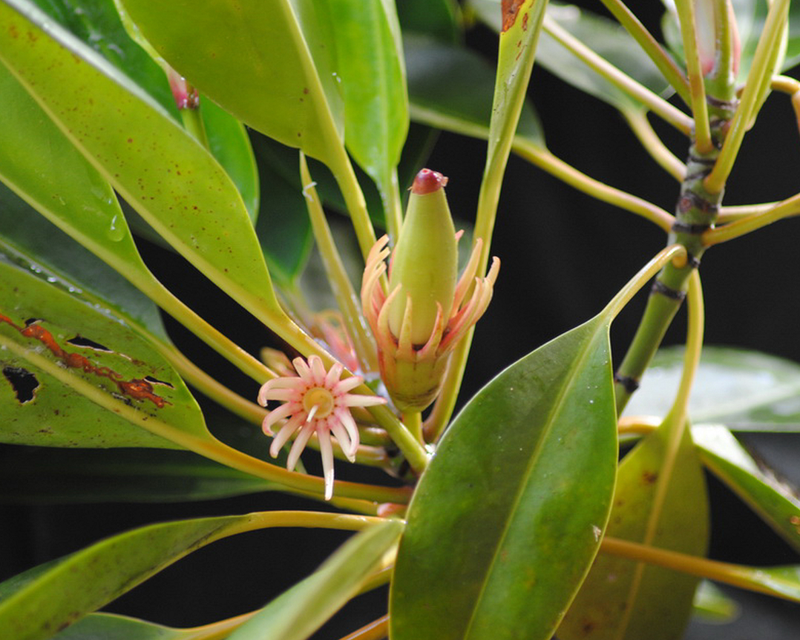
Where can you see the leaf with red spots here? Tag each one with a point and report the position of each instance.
(83, 396)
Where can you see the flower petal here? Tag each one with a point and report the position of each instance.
(317, 370)
(357, 400)
(284, 435)
(326, 453)
(299, 444)
(333, 376)
(343, 439)
(284, 411)
(303, 370)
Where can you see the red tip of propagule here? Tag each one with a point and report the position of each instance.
(428, 181)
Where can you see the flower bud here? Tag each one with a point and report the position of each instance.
(717, 38)
(426, 311)
(425, 261)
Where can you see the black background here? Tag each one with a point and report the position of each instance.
(563, 256)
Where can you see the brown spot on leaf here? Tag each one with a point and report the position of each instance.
(510, 12)
(649, 477)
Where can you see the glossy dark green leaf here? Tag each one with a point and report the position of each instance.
(625, 600)
(296, 614)
(508, 517)
(730, 462)
(31, 475)
(374, 86)
(744, 390)
(175, 184)
(29, 241)
(440, 19)
(604, 36)
(87, 380)
(49, 597)
(451, 88)
(268, 63)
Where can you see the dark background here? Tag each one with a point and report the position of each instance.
(564, 256)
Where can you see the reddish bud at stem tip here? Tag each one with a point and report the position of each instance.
(428, 181)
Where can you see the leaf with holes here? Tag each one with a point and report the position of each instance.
(31, 242)
(76, 377)
(660, 500)
(512, 507)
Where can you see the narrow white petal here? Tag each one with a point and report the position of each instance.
(357, 400)
(282, 395)
(352, 429)
(284, 411)
(303, 370)
(298, 445)
(343, 386)
(283, 436)
(343, 439)
(326, 452)
(317, 370)
(333, 376)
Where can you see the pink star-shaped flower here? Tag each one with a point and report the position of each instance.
(314, 401)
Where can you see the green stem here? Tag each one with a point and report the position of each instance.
(787, 208)
(346, 178)
(545, 160)
(393, 207)
(413, 422)
(193, 123)
(375, 630)
(732, 574)
(346, 298)
(640, 125)
(737, 212)
(666, 65)
(697, 91)
(208, 334)
(742, 120)
(696, 211)
(201, 441)
(637, 91)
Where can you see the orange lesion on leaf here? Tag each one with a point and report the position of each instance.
(510, 11)
(136, 388)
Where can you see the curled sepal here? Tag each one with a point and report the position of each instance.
(427, 309)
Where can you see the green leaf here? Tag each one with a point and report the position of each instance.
(29, 241)
(54, 595)
(106, 626)
(174, 183)
(440, 19)
(47, 476)
(507, 518)
(271, 65)
(87, 380)
(296, 614)
(230, 144)
(744, 390)
(97, 24)
(374, 86)
(605, 37)
(713, 606)
(451, 88)
(623, 599)
(731, 463)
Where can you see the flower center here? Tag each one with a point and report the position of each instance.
(319, 402)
